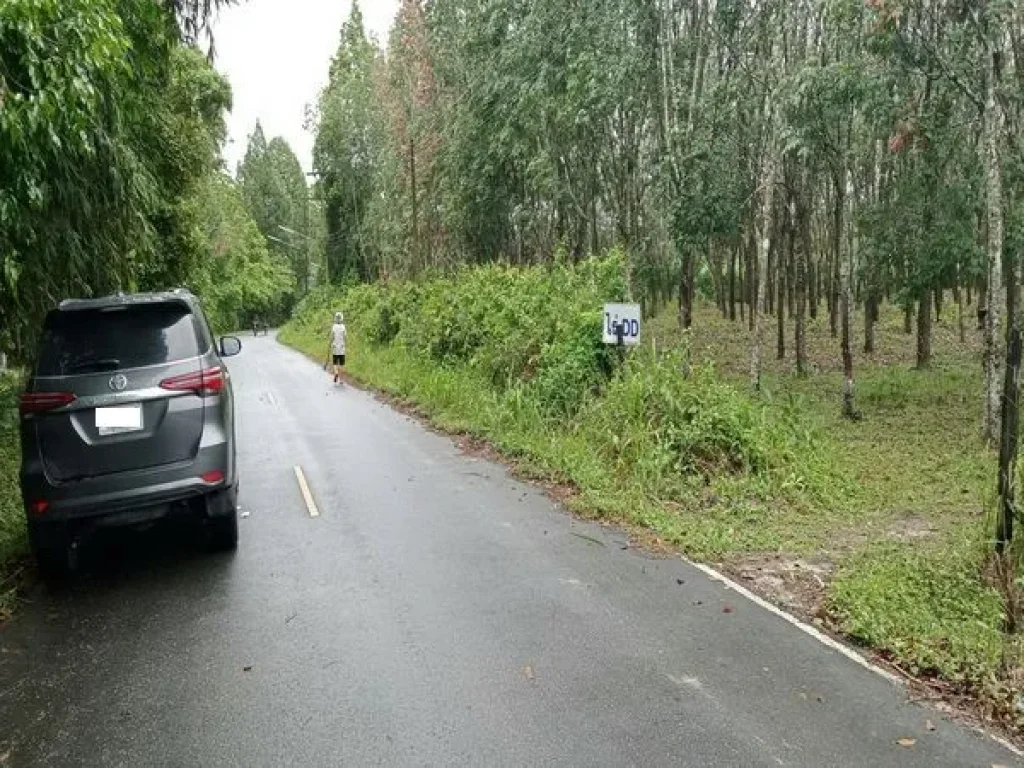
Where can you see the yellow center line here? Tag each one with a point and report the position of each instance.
(306, 495)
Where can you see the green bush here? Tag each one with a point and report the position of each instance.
(573, 366)
(691, 424)
(13, 542)
(509, 325)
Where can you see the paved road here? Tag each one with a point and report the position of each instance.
(436, 613)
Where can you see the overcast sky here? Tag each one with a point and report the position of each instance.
(276, 54)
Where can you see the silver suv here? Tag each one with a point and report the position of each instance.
(128, 418)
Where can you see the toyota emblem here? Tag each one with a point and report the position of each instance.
(118, 383)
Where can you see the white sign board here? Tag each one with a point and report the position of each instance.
(624, 318)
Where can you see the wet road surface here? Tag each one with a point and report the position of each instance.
(436, 612)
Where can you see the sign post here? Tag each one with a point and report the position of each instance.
(621, 324)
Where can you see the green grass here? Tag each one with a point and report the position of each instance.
(928, 606)
(910, 535)
(894, 504)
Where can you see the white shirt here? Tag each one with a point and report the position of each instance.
(339, 335)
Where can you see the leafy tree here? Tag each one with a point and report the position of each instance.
(76, 193)
(110, 129)
(345, 151)
(240, 277)
(273, 187)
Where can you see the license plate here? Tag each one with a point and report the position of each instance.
(120, 419)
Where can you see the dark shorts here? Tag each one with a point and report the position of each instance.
(339, 359)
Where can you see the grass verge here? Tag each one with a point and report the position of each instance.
(13, 540)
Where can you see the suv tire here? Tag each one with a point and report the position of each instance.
(222, 528)
(51, 555)
(223, 533)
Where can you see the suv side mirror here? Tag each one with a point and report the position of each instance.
(230, 346)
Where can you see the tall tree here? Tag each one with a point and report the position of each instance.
(107, 125)
(273, 187)
(344, 152)
(414, 128)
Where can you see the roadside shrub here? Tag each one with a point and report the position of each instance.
(695, 424)
(13, 542)
(496, 320)
(573, 367)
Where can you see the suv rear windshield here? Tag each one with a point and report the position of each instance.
(110, 339)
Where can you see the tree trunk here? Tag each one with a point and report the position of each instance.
(811, 276)
(686, 291)
(753, 282)
(732, 283)
(982, 302)
(908, 317)
(958, 297)
(938, 305)
(415, 206)
(1007, 484)
(791, 270)
(870, 313)
(991, 127)
(837, 258)
(718, 273)
(765, 240)
(803, 270)
(845, 284)
(924, 330)
(780, 315)
(741, 289)
(1009, 427)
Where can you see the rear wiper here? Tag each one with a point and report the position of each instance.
(86, 366)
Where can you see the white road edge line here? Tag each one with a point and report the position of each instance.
(306, 495)
(821, 637)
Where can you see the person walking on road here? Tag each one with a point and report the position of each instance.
(339, 335)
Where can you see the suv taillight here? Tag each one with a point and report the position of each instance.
(206, 382)
(41, 402)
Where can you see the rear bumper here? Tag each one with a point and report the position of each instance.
(116, 496)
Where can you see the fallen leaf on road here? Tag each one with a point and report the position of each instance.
(929, 725)
(680, 581)
(905, 742)
(698, 602)
(528, 672)
(247, 668)
(726, 609)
